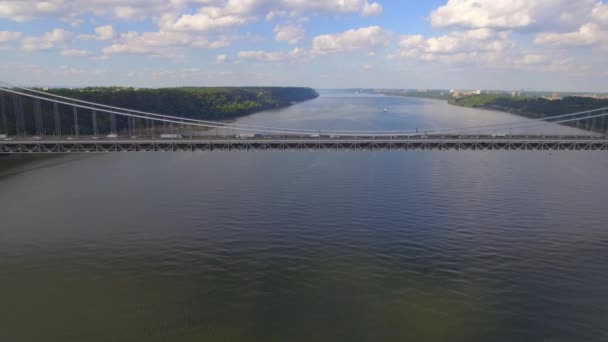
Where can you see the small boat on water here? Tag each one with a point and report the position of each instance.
(385, 110)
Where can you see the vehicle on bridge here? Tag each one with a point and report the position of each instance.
(171, 136)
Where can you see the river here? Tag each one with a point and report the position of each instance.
(309, 246)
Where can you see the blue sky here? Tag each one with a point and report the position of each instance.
(464, 44)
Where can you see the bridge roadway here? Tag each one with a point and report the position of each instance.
(49, 145)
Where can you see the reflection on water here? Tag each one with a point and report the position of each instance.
(433, 246)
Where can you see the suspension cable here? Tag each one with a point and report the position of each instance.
(300, 130)
(181, 121)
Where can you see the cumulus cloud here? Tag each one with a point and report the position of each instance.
(47, 41)
(289, 33)
(456, 47)
(75, 53)
(588, 34)
(272, 9)
(276, 56)
(479, 47)
(591, 33)
(207, 19)
(69, 10)
(371, 9)
(161, 44)
(366, 39)
(510, 14)
(101, 33)
(600, 13)
(533, 59)
(7, 36)
(105, 32)
(221, 59)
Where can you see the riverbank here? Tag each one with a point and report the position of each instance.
(214, 104)
(538, 108)
(529, 107)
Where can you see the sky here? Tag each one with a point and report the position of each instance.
(547, 45)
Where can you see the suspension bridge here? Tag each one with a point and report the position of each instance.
(37, 121)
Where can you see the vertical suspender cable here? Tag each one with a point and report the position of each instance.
(113, 123)
(57, 119)
(76, 127)
(4, 121)
(94, 118)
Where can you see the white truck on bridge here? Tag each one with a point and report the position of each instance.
(170, 136)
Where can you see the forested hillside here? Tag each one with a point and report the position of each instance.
(536, 108)
(199, 103)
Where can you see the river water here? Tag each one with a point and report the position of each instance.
(309, 246)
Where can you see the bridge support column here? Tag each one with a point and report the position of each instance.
(38, 117)
(113, 123)
(3, 120)
(57, 119)
(76, 126)
(18, 109)
(94, 119)
(130, 125)
(152, 128)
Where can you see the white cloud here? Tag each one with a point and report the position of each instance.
(126, 12)
(162, 44)
(366, 39)
(457, 41)
(221, 59)
(532, 59)
(411, 41)
(75, 53)
(264, 56)
(510, 14)
(71, 70)
(289, 33)
(69, 10)
(226, 14)
(600, 13)
(371, 9)
(272, 9)
(588, 34)
(101, 33)
(47, 41)
(207, 19)
(220, 11)
(105, 32)
(7, 36)
(591, 33)
(478, 47)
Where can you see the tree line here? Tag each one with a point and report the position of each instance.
(189, 102)
(538, 108)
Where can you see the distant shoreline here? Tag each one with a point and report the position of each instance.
(528, 107)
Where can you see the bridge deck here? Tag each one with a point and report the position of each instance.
(428, 143)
